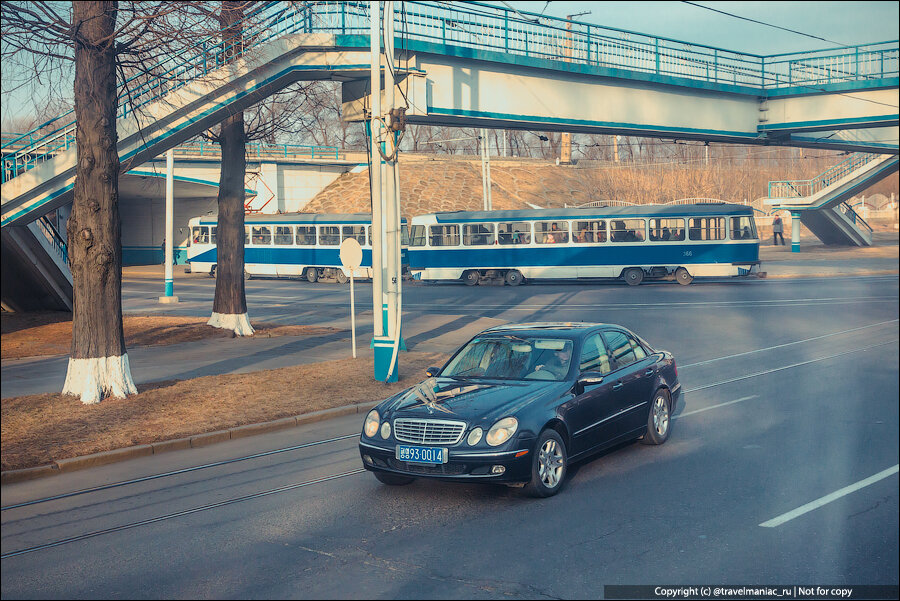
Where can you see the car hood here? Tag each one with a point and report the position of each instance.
(474, 401)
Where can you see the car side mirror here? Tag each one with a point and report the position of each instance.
(590, 378)
(432, 371)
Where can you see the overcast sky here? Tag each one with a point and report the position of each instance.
(847, 23)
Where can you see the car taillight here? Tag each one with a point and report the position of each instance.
(675, 367)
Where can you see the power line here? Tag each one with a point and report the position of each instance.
(722, 12)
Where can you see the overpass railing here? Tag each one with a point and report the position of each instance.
(807, 187)
(487, 27)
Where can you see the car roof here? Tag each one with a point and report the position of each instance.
(563, 328)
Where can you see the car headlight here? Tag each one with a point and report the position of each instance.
(474, 436)
(386, 430)
(370, 428)
(502, 431)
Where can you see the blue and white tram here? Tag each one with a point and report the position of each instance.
(632, 243)
(296, 245)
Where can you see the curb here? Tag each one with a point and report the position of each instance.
(786, 276)
(190, 442)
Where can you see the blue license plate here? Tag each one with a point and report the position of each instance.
(421, 454)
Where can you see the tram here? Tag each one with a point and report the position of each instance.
(633, 243)
(291, 245)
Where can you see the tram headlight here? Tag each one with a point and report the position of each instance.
(370, 428)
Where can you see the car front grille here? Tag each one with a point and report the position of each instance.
(428, 431)
(446, 469)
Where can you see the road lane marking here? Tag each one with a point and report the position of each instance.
(773, 370)
(777, 346)
(695, 411)
(786, 517)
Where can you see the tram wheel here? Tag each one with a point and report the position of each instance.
(514, 277)
(633, 275)
(683, 276)
(312, 274)
(471, 277)
(341, 277)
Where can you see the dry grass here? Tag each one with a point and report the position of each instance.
(50, 333)
(39, 429)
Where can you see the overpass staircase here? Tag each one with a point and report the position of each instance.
(821, 202)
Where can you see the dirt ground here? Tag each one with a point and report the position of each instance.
(39, 429)
(50, 332)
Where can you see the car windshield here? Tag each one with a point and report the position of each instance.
(512, 357)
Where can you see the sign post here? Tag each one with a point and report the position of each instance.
(351, 259)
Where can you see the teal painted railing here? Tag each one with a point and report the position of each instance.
(484, 27)
(259, 150)
(48, 229)
(807, 187)
(854, 217)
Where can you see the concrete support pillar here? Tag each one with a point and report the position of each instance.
(486, 172)
(795, 231)
(169, 258)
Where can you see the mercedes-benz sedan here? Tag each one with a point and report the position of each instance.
(518, 403)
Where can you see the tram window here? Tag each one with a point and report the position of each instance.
(355, 231)
(445, 235)
(706, 228)
(283, 235)
(212, 234)
(306, 235)
(478, 234)
(329, 235)
(200, 235)
(664, 230)
(743, 228)
(261, 234)
(418, 236)
(246, 235)
(589, 232)
(514, 232)
(626, 230)
(369, 230)
(551, 232)
(404, 235)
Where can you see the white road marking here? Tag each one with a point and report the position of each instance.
(770, 348)
(695, 411)
(769, 371)
(786, 517)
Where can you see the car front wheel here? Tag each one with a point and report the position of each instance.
(548, 466)
(659, 420)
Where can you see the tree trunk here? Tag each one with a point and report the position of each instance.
(98, 366)
(230, 304)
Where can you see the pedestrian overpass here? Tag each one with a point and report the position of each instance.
(471, 65)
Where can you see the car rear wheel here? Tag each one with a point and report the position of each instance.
(683, 276)
(548, 466)
(633, 276)
(659, 420)
(393, 479)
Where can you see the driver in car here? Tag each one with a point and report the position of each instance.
(558, 364)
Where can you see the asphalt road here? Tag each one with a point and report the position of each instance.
(791, 396)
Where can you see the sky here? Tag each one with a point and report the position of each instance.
(840, 23)
(846, 23)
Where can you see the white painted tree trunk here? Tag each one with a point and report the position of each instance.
(238, 323)
(98, 378)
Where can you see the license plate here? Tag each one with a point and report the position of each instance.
(421, 454)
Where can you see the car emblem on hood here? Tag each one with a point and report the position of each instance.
(429, 395)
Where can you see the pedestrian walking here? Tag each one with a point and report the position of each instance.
(777, 230)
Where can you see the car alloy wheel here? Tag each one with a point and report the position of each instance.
(549, 465)
(659, 420)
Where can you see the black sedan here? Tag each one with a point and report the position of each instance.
(518, 403)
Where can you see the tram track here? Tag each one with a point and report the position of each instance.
(331, 477)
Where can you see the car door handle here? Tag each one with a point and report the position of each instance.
(649, 372)
(618, 386)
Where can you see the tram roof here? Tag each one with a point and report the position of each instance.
(292, 218)
(648, 210)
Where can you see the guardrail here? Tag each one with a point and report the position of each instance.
(483, 26)
(807, 187)
(53, 237)
(854, 217)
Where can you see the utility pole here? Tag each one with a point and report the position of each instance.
(485, 172)
(168, 251)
